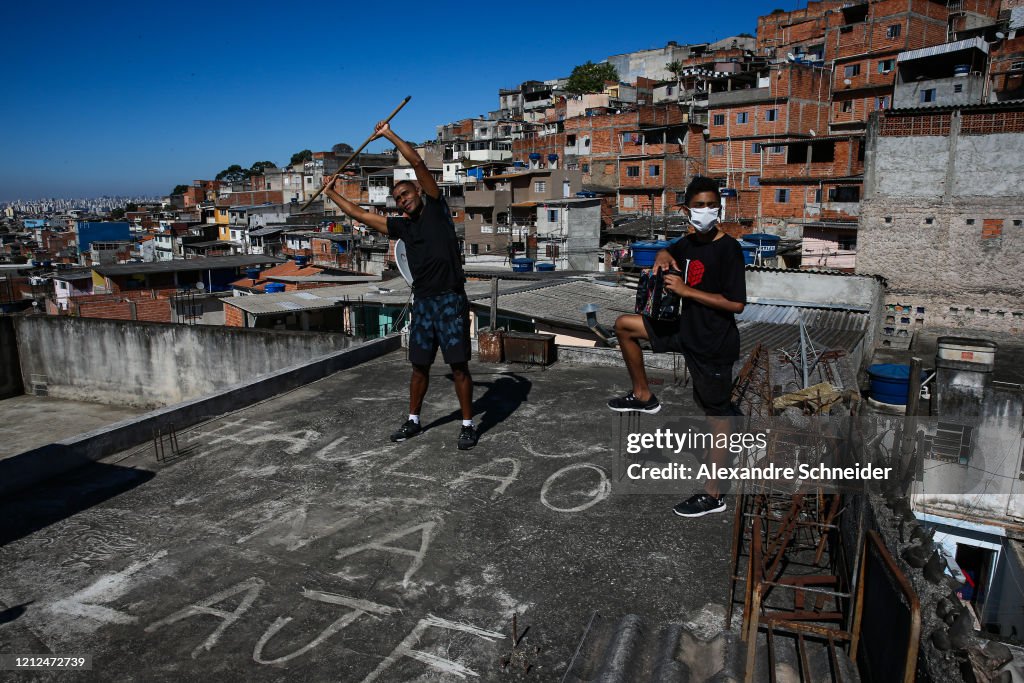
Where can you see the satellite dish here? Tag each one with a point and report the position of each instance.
(1000, 35)
(813, 133)
(200, 285)
(847, 81)
(402, 259)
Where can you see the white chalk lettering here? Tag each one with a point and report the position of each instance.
(251, 587)
(404, 648)
(425, 531)
(476, 473)
(107, 588)
(358, 607)
(393, 468)
(296, 529)
(597, 494)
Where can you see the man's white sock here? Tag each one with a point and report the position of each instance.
(415, 418)
(467, 423)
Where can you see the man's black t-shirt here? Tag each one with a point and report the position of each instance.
(432, 247)
(715, 267)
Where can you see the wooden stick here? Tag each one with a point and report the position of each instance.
(354, 155)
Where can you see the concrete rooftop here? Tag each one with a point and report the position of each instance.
(33, 421)
(292, 541)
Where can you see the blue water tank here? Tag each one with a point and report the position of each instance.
(274, 287)
(767, 244)
(962, 70)
(644, 253)
(545, 267)
(552, 157)
(252, 273)
(534, 156)
(522, 265)
(301, 261)
(749, 252)
(890, 382)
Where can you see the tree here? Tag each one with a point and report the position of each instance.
(342, 148)
(117, 214)
(232, 173)
(301, 157)
(590, 77)
(131, 207)
(260, 166)
(180, 189)
(675, 68)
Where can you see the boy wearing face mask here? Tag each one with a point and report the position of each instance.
(713, 292)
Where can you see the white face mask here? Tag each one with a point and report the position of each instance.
(703, 220)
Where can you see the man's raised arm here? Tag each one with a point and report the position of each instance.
(374, 220)
(427, 182)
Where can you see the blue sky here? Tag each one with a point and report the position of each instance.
(134, 98)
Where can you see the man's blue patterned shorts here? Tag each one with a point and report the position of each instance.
(440, 321)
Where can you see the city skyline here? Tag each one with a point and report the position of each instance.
(110, 110)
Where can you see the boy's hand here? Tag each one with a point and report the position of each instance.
(664, 261)
(675, 284)
(381, 130)
(329, 183)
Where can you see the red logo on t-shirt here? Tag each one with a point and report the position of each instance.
(695, 273)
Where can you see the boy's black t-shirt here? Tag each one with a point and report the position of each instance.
(432, 247)
(715, 267)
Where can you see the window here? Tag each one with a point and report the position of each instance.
(632, 171)
(680, 197)
(625, 138)
(778, 149)
(585, 168)
(781, 196)
(886, 65)
(771, 115)
(741, 117)
(846, 106)
(627, 202)
(848, 242)
(817, 196)
(851, 71)
(718, 150)
(551, 250)
(959, 87)
(1017, 66)
(755, 148)
(488, 247)
(755, 181)
(474, 249)
(540, 186)
(882, 102)
(552, 215)
(668, 90)
(844, 194)
(893, 31)
(570, 140)
(718, 120)
(586, 142)
(654, 171)
(928, 95)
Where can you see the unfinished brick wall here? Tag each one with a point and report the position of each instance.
(233, 316)
(963, 258)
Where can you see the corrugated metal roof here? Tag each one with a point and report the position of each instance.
(775, 336)
(977, 43)
(812, 317)
(561, 302)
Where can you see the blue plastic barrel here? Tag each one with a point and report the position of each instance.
(545, 267)
(522, 265)
(644, 253)
(252, 273)
(890, 382)
(274, 287)
(749, 252)
(767, 244)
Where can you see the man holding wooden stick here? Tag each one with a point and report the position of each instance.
(440, 311)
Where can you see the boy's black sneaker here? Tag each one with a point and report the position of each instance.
(468, 437)
(410, 429)
(630, 403)
(699, 505)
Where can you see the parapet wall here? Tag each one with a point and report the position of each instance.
(148, 365)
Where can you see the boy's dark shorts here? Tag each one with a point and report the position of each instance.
(440, 321)
(712, 382)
